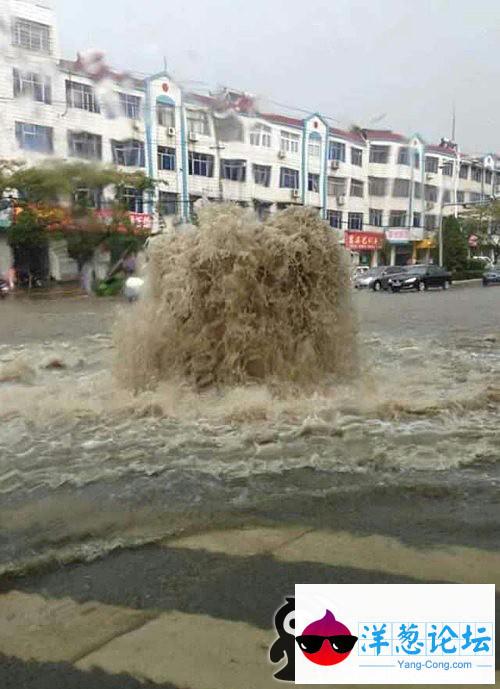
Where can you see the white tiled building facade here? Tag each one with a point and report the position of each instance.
(375, 182)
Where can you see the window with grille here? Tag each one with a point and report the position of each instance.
(356, 156)
(417, 219)
(197, 121)
(404, 156)
(357, 188)
(448, 169)
(431, 164)
(464, 172)
(168, 203)
(379, 154)
(129, 153)
(130, 106)
(31, 35)
(165, 115)
(85, 145)
(81, 96)
(289, 142)
(132, 199)
(355, 221)
(431, 193)
(34, 137)
(32, 85)
(201, 164)
(233, 170)
(476, 174)
(377, 186)
(397, 219)
(336, 151)
(313, 182)
(401, 188)
(289, 179)
(166, 158)
(262, 175)
(260, 136)
(337, 186)
(335, 219)
(376, 217)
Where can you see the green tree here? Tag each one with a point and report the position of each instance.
(455, 248)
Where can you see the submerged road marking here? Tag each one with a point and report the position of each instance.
(375, 553)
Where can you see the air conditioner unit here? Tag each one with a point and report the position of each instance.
(281, 155)
(429, 206)
(193, 136)
(429, 177)
(334, 164)
(295, 193)
(171, 131)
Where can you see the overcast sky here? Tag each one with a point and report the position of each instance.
(382, 63)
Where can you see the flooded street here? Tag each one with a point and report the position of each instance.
(86, 467)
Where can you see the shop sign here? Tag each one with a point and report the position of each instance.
(399, 235)
(363, 241)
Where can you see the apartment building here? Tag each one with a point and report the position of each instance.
(372, 186)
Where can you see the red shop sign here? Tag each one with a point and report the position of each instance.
(363, 241)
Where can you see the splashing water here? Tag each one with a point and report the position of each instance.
(239, 302)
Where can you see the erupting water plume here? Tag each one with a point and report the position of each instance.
(239, 301)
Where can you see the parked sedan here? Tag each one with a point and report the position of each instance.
(492, 275)
(420, 278)
(376, 278)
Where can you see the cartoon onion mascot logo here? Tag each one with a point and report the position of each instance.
(324, 642)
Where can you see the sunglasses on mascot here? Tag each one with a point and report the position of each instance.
(341, 643)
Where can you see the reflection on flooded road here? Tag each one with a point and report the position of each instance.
(86, 466)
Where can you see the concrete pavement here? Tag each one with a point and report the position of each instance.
(194, 612)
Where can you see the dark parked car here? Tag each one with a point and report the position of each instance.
(491, 276)
(420, 278)
(376, 278)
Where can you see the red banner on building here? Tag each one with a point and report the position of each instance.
(357, 240)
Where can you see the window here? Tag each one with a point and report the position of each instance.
(417, 190)
(32, 85)
(446, 196)
(31, 35)
(132, 199)
(81, 96)
(376, 217)
(85, 145)
(313, 182)
(130, 106)
(289, 142)
(476, 174)
(488, 176)
(447, 168)
(260, 135)
(334, 218)
(417, 219)
(336, 151)
(197, 121)
(475, 196)
(201, 164)
(460, 197)
(167, 203)
(166, 158)
(33, 137)
(431, 164)
(337, 186)
(233, 170)
(356, 156)
(404, 156)
(431, 193)
(430, 222)
(128, 153)
(165, 115)
(355, 221)
(379, 154)
(289, 179)
(357, 188)
(314, 147)
(401, 188)
(416, 160)
(397, 219)
(262, 175)
(464, 172)
(377, 186)
(88, 198)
